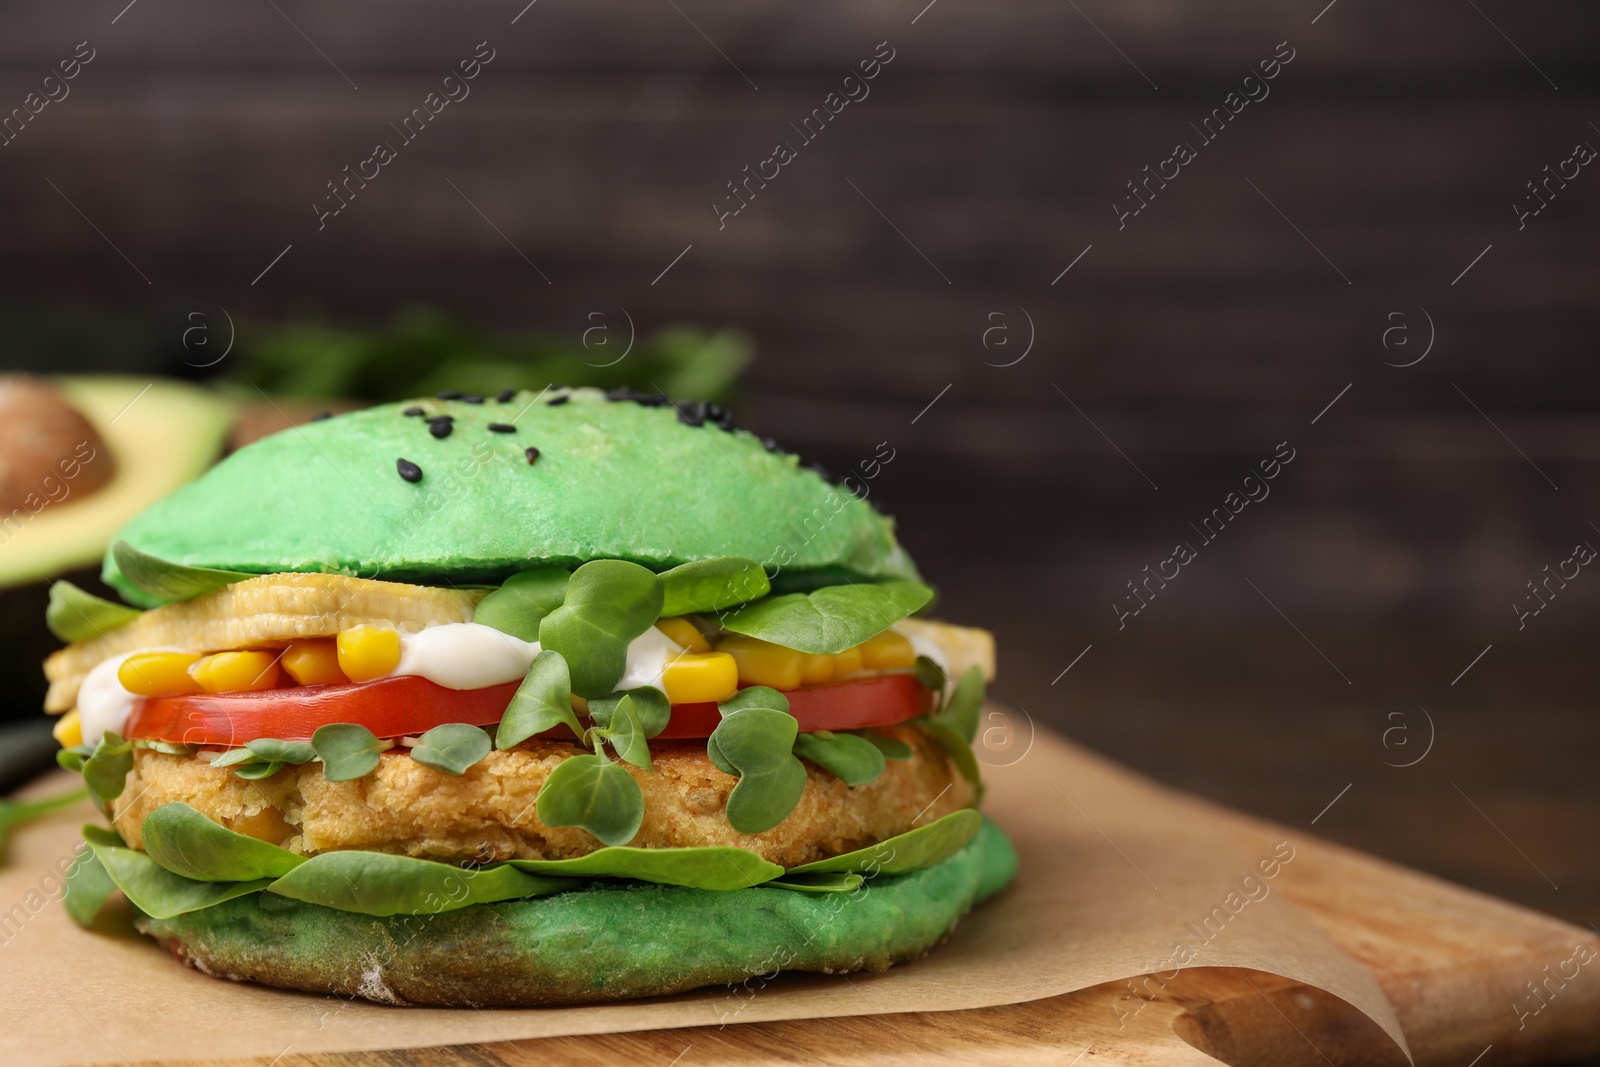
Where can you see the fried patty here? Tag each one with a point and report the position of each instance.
(487, 814)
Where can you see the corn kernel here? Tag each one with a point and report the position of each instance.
(694, 677)
(268, 825)
(159, 674)
(368, 652)
(889, 651)
(816, 669)
(684, 632)
(236, 672)
(68, 730)
(314, 661)
(763, 663)
(847, 662)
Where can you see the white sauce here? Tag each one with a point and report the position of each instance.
(465, 655)
(648, 656)
(102, 702)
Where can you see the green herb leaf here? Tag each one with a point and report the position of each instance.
(74, 615)
(961, 711)
(719, 867)
(273, 750)
(376, 883)
(655, 711)
(817, 883)
(106, 771)
(609, 602)
(166, 581)
(348, 750)
(955, 746)
(910, 851)
(891, 747)
(186, 842)
(15, 812)
(252, 772)
(758, 744)
(152, 888)
(853, 760)
(626, 734)
(929, 674)
(757, 696)
(452, 747)
(88, 888)
(72, 759)
(711, 584)
(832, 618)
(542, 702)
(596, 794)
(523, 600)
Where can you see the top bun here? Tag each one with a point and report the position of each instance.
(614, 477)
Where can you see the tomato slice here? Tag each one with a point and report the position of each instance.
(407, 705)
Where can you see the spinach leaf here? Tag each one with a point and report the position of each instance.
(152, 888)
(929, 674)
(166, 581)
(757, 696)
(853, 760)
(961, 711)
(348, 750)
(710, 584)
(452, 747)
(74, 615)
(626, 734)
(106, 771)
(651, 703)
(523, 600)
(718, 867)
(376, 883)
(595, 794)
(14, 812)
(609, 602)
(910, 851)
(186, 842)
(816, 883)
(88, 886)
(542, 702)
(758, 744)
(891, 747)
(831, 619)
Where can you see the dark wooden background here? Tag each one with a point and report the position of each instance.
(985, 160)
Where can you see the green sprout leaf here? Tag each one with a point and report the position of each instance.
(348, 750)
(376, 883)
(711, 584)
(542, 702)
(106, 771)
(593, 793)
(16, 812)
(165, 582)
(757, 696)
(186, 842)
(88, 888)
(961, 711)
(929, 674)
(954, 745)
(719, 867)
(72, 759)
(758, 745)
(252, 772)
(910, 851)
(153, 889)
(831, 619)
(853, 760)
(817, 883)
(74, 615)
(891, 747)
(609, 602)
(452, 747)
(523, 600)
(650, 703)
(626, 734)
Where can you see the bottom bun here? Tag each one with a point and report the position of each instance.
(601, 943)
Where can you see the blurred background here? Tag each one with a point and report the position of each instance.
(1375, 266)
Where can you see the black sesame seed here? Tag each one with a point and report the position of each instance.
(714, 412)
(408, 470)
(703, 410)
(502, 427)
(531, 453)
(725, 420)
(620, 393)
(505, 396)
(689, 417)
(413, 411)
(473, 399)
(450, 394)
(557, 401)
(440, 427)
(819, 469)
(771, 444)
(655, 400)
(319, 416)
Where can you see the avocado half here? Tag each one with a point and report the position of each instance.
(161, 435)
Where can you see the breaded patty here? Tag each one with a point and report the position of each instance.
(488, 813)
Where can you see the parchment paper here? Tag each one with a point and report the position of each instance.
(1119, 879)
